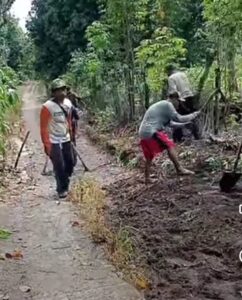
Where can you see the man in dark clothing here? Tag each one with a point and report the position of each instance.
(55, 128)
(178, 82)
(74, 113)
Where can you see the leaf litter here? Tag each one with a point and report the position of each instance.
(15, 255)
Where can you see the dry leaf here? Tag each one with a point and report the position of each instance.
(25, 288)
(17, 255)
(2, 257)
(75, 224)
(142, 283)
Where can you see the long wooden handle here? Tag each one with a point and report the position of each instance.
(209, 99)
(79, 156)
(46, 164)
(21, 149)
(237, 157)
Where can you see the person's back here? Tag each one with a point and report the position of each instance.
(156, 118)
(179, 82)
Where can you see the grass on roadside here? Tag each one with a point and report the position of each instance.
(4, 234)
(92, 202)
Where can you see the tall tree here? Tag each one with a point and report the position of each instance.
(58, 29)
(5, 6)
(16, 48)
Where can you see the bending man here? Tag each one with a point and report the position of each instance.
(153, 138)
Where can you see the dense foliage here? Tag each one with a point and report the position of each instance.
(16, 64)
(16, 49)
(5, 6)
(115, 52)
(58, 28)
(9, 103)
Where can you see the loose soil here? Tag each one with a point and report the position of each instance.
(186, 234)
(185, 231)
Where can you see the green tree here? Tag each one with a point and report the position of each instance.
(57, 29)
(5, 6)
(16, 49)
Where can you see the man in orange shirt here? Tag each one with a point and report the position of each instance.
(55, 129)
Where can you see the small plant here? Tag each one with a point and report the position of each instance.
(4, 234)
(214, 164)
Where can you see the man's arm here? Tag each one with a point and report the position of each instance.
(178, 125)
(45, 117)
(176, 117)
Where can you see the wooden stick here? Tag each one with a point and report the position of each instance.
(21, 149)
(79, 156)
(45, 166)
(209, 99)
(237, 157)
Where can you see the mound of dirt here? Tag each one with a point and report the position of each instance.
(184, 230)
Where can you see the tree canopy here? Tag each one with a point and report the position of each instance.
(57, 29)
(115, 52)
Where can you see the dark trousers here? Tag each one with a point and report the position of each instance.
(74, 126)
(63, 163)
(185, 108)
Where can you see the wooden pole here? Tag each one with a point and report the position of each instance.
(21, 149)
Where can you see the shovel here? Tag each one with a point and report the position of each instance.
(230, 178)
(44, 172)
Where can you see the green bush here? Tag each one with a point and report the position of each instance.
(9, 102)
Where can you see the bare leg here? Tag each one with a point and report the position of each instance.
(147, 171)
(180, 170)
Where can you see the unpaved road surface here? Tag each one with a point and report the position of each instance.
(59, 261)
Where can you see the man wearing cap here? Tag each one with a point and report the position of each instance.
(178, 82)
(154, 140)
(55, 129)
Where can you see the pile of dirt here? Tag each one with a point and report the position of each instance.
(183, 229)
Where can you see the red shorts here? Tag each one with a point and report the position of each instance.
(156, 145)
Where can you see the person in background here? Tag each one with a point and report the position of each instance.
(55, 130)
(179, 82)
(154, 140)
(74, 99)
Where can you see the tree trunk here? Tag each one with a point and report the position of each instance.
(231, 72)
(129, 58)
(217, 98)
(146, 92)
(204, 77)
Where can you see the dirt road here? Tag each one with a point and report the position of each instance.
(59, 261)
